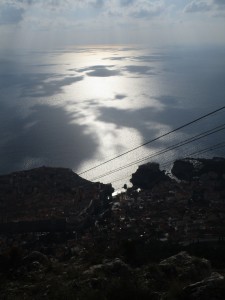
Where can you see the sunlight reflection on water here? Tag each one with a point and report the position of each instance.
(78, 107)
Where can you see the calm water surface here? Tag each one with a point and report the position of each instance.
(78, 107)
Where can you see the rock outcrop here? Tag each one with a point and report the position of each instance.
(148, 175)
(109, 267)
(180, 277)
(36, 256)
(190, 168)
(185, 267)
(210, 288)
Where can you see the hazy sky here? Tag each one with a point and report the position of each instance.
(50, 23)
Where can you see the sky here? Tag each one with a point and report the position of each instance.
(59, 23)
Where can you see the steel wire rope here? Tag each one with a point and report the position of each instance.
(213, 147)
(153, 140)
(187, 141)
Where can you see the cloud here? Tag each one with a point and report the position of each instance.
(55, 3)
(204, 6)
(10, 14)
(219, 2)
(35, 2)
(110, 21)
(146, 10)
(220, 8)
(126, 2)
(53, 13)
(197, 6)
(97, 3)
(135, 8)
(67, 13)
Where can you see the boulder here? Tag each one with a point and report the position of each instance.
(189, 168)
(148, 175)
(183, 169)
(210, 288)
(185, 267)
(113, 267)
(36, 256)
(97, 283)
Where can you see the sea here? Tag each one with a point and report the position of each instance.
(104, 110)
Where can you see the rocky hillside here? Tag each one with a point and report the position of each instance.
(165, 242)
(43, 193)
(181, 277)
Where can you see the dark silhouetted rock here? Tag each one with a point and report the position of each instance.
(210, 288)
(186, 267)
(113, 267)
(148, 175)
(48, 193)
(183, 169)
(189, 168)
(36, 256)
